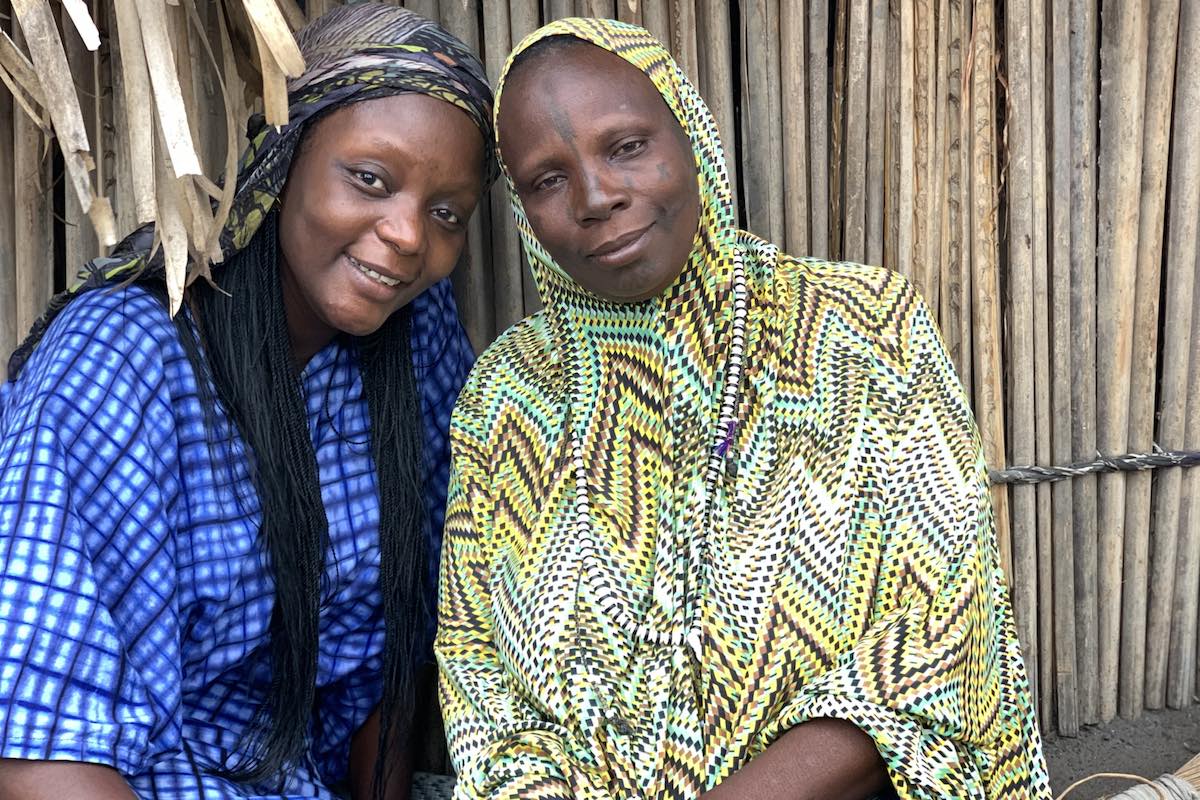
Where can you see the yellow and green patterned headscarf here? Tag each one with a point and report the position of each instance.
(653, 369)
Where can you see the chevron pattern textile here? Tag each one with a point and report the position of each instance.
(850, 567)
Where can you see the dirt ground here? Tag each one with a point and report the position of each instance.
(1155, 743)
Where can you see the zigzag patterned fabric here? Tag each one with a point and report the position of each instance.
(850, 565)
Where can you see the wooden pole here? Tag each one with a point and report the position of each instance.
(1022, 422)
(1065, 688)
(964, 24)
(795, 123)
(1041, 357)
(508, 260)
(656, 18)
(1183, 262)
(904, 200)
(775, 137)
(33, 242)
(959, 192)
(837, 130)
(596, 8)
(629, 11)
(1123, 68)
(1172, 399)
(121, 192)
(985, 262)
(891, 140)
(718, 89)
(939, 168)
(79, 238)
(315, 8)
(523, 19)
(818, 128)
(558, 9)
(8, 268)
(854, 235)
(1085, 88)
(683, 36)
(1181, 669)
(1160, 76)
(756, 118)
(924, 260)
(426, 8)
(473, 279)
(876, 124)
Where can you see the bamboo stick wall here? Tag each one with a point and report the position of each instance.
(1054, 229)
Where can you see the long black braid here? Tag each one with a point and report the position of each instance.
(244, 350)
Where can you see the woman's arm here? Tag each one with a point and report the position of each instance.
(818, 759)
(935, 676)
(60, 780)
(501, 747)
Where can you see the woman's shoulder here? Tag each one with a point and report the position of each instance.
(879, 303)
(128, 314)
(876, 292)
(125, 328)
(522, 358)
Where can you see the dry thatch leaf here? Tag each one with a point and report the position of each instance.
(50, 61)
(295, 17)
(168, 96)
(270, 27)
(12, 59)
(78, 12)
(274, 83)
(171, 229)
(28, 104)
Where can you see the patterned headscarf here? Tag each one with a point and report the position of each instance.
(656, 367)
(353, 53)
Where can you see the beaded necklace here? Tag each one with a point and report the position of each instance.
(723, 431)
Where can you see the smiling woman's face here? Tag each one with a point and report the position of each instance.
(603, 169)
(374, 212)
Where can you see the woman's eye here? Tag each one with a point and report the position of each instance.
(630, 147)
(447, 216)
(548, 182)
(368, 178)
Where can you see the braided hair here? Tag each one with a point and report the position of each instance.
(236, 336)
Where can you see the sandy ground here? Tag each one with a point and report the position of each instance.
(1155, 743)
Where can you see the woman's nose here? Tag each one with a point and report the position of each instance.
(598, 194)
(402, 228)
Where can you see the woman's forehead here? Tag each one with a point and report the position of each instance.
(581, 77)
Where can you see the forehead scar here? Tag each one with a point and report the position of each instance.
(561, 122)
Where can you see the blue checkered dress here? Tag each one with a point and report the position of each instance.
(134, 593)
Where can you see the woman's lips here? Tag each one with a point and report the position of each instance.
(620, 251)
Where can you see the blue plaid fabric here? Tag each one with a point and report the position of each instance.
(134, 594)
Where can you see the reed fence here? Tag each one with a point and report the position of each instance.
(1053, 227)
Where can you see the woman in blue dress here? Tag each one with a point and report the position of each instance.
(219, 531)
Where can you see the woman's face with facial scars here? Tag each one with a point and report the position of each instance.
(605, 172)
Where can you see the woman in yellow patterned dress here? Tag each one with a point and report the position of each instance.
(718, 521)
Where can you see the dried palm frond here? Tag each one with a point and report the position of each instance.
(161, 109)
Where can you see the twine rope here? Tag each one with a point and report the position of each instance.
(1134, 462)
